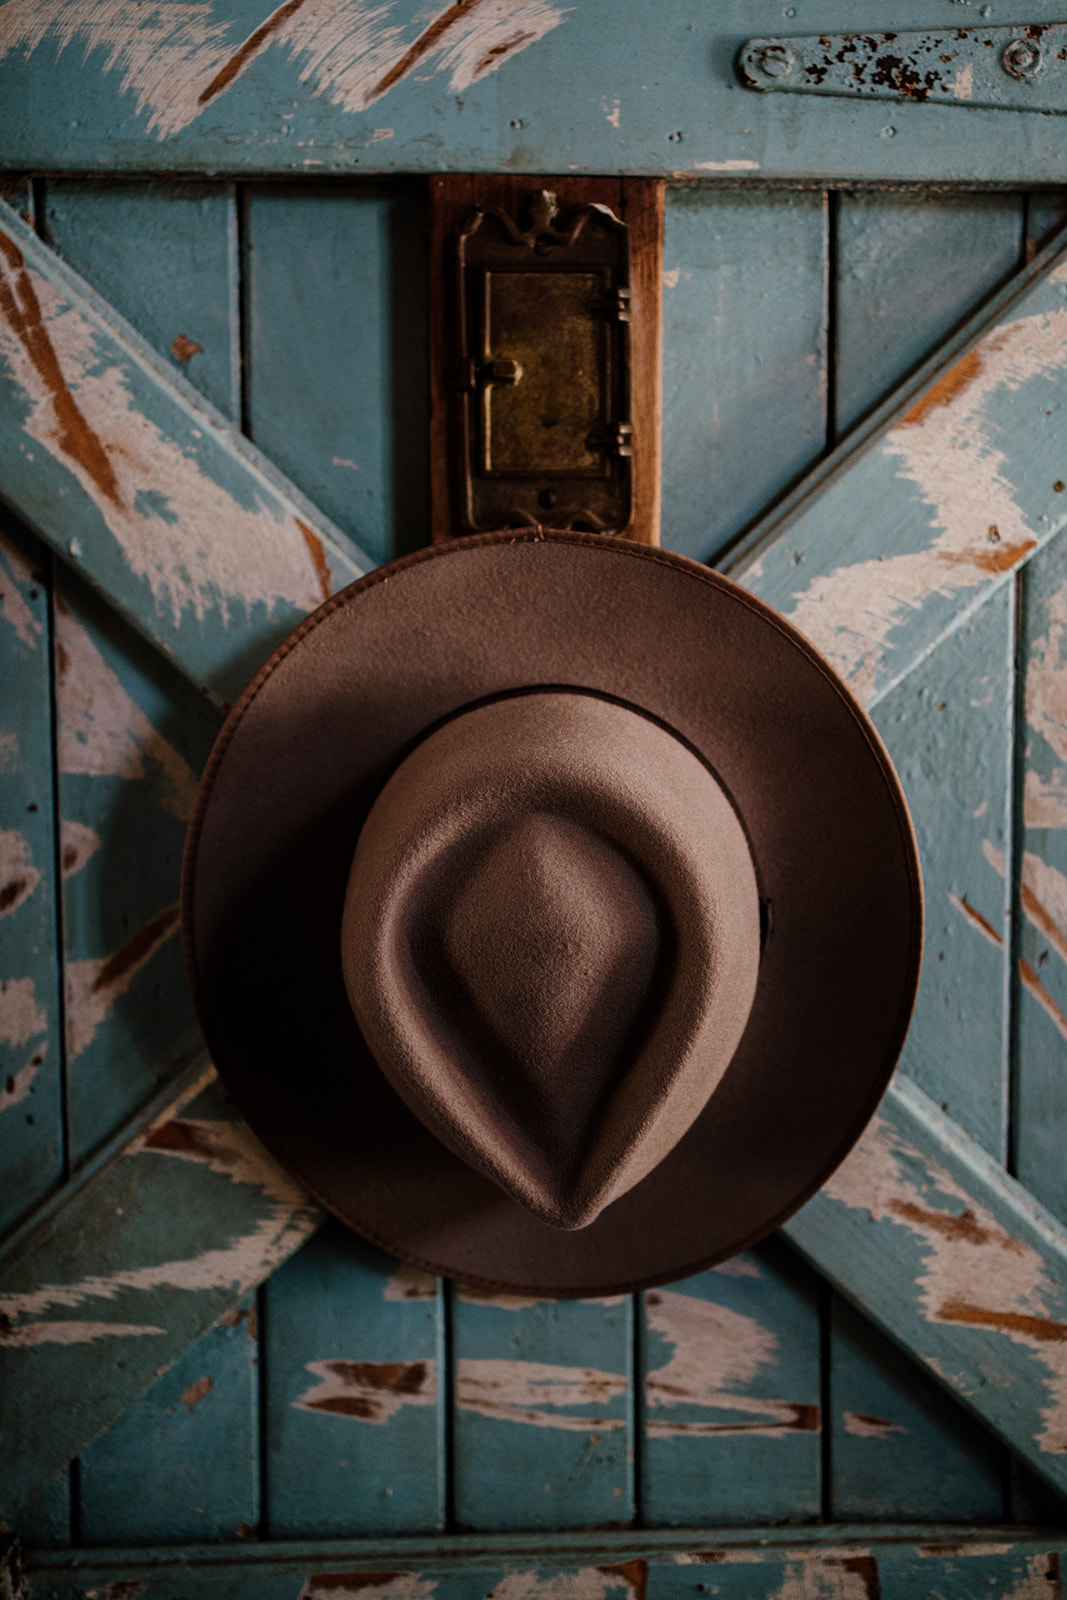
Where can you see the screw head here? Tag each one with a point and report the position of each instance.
(1021, 58)
(776, 60)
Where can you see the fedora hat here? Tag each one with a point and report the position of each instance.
(553, 912)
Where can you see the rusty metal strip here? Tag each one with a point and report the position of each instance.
(958, 1263)
(127, 1268)
(935, 501)
(135, 480)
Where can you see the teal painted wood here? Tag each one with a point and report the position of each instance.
(32, 1148)
(543, 1425)
(928, 1236)
(1046, 212)
(744, 357)
(132, 737)
(184, 1218)
(182, 1463)
(312, 90)
(165, 256)
(355, 1393)
(906, 531)
(901, 1448)
(44, 1522)
(121, 466)
(907, 270)
(732, 1395)
(864, 1562)
(1041, 953)
(338, 382)
(948, 729)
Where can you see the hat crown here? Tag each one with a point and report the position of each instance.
(551, 943)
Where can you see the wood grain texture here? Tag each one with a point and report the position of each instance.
(142, 486)
(337, 376)
(852, 1562)
(744, 364)
(927, 1235)
(543, 1424)
(335, 89)
(184, 1219)
(32, 1146)
(640, 204)
(732, 1423)
(355, 1393)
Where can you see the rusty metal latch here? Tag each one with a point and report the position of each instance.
(1020, 68)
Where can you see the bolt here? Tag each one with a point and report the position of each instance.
(1021, 58)
(776, 60)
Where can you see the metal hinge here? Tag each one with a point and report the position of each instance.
(1021, 68)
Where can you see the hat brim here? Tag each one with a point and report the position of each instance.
(304, 754)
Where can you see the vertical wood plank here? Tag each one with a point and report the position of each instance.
(337, 367)
(948, 730)
(543, 1420)
(165, 255)
(744, 351)
(908, 268)
(31, 1056)
(354, 1393)
(132, 736)
(730, 1365)
(1040, 976)
(902, 1449)
(182, 1464)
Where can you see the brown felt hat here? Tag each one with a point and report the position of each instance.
(553, 912)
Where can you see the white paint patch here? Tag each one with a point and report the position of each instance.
(21, 1083)
(343, 461)
(18, 876)
(102, 731)
(861, 1426)
(167, 53)
(198, 547)
(723, 1558)
(738, 1267)
(229, 1148)
(738, 164)
(614, 114)
(38, 1333)
(14, 569)
(587, 1583)
(408, 1283)
(333, 1586)
(517, 1391)
(826, 1575)
(368, 1391)
(77, 842)
(21, 1018)
(951, 449)
(936, 1552)
(93, 986)
(352, 54)
(497, 1300)
(975, 1273)
(1045, 799)
(1040, 1583)
(718, 1352)
(671, 277)
(962, 85)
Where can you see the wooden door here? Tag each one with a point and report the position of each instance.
(347, 1424)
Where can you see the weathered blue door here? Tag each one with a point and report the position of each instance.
(210, 1392)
